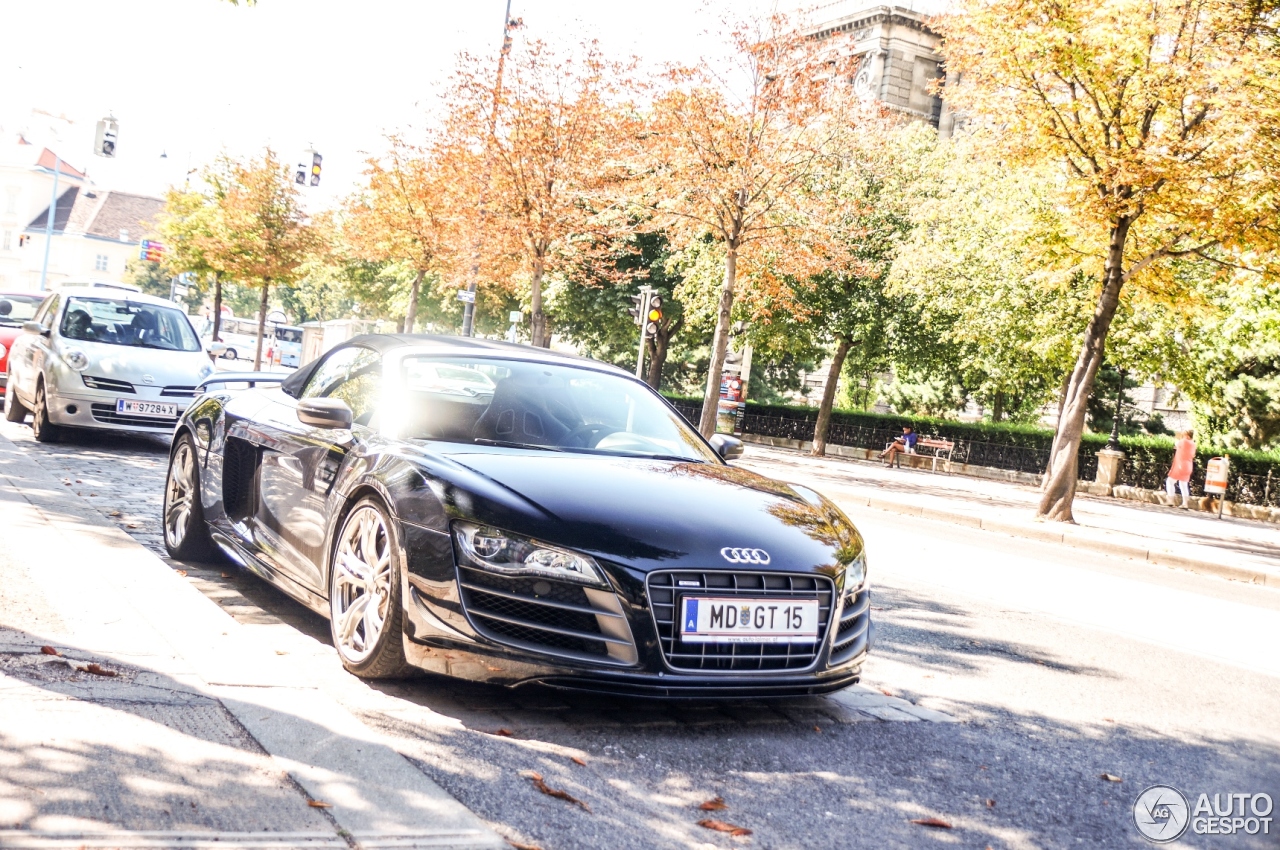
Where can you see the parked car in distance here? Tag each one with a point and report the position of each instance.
(510, 514)
(15, 309)
(95, 357)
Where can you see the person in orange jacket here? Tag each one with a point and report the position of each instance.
(1184, 455)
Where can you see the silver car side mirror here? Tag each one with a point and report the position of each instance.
(729, 448)
(324, 413)
(35, 328)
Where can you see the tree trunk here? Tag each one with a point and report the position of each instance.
(217, 307)
(821, 427)
(262, 325)
(537, 323)
(411, 314)
(658, 348)
(719, 342)
(1059, 488)
(997, 406)
(1062, 391)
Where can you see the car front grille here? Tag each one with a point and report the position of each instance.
(851, 633)
(111, 384)
(107, 413)
(544, 615)
(666, 589)
(179, 392)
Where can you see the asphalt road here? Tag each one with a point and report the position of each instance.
(1059, 666)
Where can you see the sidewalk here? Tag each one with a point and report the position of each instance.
(1240, 549)
(191, 732)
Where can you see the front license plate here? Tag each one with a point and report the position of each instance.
(709, 620)
(166, 410)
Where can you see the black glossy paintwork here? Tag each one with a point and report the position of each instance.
(632, 515)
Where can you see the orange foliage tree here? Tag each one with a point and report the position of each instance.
(732, 150)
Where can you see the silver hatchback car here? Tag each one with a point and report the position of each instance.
(97, 358)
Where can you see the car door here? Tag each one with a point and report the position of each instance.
(299, 463)
(34, 349)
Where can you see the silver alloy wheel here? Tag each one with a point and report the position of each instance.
(361, 588)
(179, 492)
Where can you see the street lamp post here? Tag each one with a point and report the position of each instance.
(48, 225)
(1113, 443)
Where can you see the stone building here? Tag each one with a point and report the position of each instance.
(899, 55)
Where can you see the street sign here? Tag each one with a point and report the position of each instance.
(515, 317)
(151, 250)
(467, 296)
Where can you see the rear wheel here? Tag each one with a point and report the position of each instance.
(43, 430)
(229, 354)
(365, 614)
(14, 410)
(186, 537)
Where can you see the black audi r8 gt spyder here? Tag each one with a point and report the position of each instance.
(512, 515)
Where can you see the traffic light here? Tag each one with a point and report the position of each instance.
(104, 141)
(637, 308)
(300, 176)
(654, 316)
(315, 169)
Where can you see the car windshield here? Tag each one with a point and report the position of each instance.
(119, 321)
(16, 309)
(536, 405)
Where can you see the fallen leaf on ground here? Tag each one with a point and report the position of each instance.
(505, 733)
(1108, 719)
(721, 826)
(114, 513)
(98, 670)
(1110, 777)
(991, 804)
(577, 760)
(520, 846)
(886, 692)
(49, 650)
(78, 481)
(817, 728)
(182, 573)
(226, 575)
(536, 779)
(716, 804)
(92, 495)
(317, 804)
(937, 823)
(131, 525)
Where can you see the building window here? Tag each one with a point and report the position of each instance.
(100, 263)
(11, 205)
(8, 239)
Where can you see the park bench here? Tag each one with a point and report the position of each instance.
(939, 447)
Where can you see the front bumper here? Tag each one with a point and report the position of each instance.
(444, 634)
(98, 410)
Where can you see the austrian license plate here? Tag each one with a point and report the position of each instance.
(159, 409)
(710, 620)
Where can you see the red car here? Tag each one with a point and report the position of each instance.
(15, 308)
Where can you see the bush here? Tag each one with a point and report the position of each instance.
(1255, 475)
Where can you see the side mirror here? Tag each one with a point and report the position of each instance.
(324, 413)
(35, 328)
(729, 448)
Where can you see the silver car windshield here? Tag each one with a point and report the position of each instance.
(537, 405)
(119, 321)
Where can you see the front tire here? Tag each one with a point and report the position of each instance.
(14, 409)
(229, 354)
(365, 615)
(186, 537)
(41, 427)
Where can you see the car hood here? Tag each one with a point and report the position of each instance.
(133, 364)
(656, 513)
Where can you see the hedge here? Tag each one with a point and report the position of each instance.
(1255, 476)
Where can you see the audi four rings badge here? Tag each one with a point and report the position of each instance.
(745, 556)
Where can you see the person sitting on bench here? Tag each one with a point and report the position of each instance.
(904, 444)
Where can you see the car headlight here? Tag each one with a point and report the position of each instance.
(513, 555)
(76, 359)
(205, 371)
(855, 574)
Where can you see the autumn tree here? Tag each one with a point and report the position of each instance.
(265, 237)
(731, 147)
(190, 227)
(547, 134)
(1160, 117)
(403, 215)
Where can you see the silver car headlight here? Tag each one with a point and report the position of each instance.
(855, 575)
(76, 359)
(510, 554)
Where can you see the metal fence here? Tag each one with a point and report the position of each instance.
(1146, 471)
